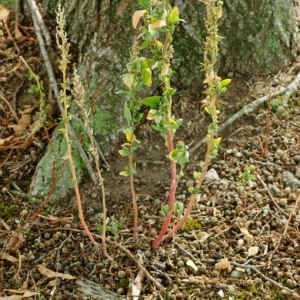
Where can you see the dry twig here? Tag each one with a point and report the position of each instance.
(249, 108)
(252, 268)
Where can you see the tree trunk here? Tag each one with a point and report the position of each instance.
(259, 37)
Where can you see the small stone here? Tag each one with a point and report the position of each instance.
(137, 181)
(240, 242)
(211, 175)
(67, 226)
(189, 183)
(147, 253)
(153, 232)
(121, 274)
(215, 273)
(120, 291)
(280, 274)
(64, 250)
(291, 283)
(180, 263)
(274, 189)
(236, 274)
(283, 202)
(296, 158)
(238, 154)
(140, 228)
(47, 235)
(279, 153)
(289, 180)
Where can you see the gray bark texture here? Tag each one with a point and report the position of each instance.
(259, 36)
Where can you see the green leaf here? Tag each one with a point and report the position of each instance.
(152, 102)
(144, 45)
(225, 82)
(128, 80)
(147, 63)
(180, 155)
(127, 113)
(138, 117)
(144, 3)
(174, 15)
(147, 77)
(124, 152)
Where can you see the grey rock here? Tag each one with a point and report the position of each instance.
(290, 180)
(236, 274)
(211, 175)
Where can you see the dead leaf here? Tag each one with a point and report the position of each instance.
(209, 77)
(25, 120)
(50, 274)
(18, 33)
(223, 264)
(4, 13)
(158, 24)
(202, 236)
(247, 235)
(252, 251)
(27, 294)
(136, 17)
(137, 285)
(18, 129)
(16, 241)
(191, 264)
(8, 257)
(5, 141)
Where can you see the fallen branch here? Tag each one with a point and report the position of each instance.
(35, 11)
(252, 268)
(249, 108)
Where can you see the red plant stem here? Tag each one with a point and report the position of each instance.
(135, 208)
(81, 217)
(193, 197)
(173, 185)
(77, 193)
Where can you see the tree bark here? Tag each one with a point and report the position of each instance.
(258, 37)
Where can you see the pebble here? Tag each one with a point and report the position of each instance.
(279, 153)
(238, 154)
(64, 250)
(189, 183)
(236, 274)
(180, 263)
(47, 235)
(274, 189)
(121, 274)
(283, 202)
(211, 175)
(289, 180)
